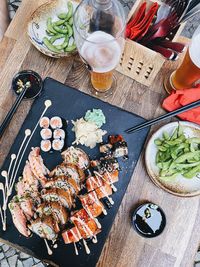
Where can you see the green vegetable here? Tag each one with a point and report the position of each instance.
(70, 10)
(58, 29)
(70, 48)
(50, 28)
(59, 22)
(177, 155)
(70, 21)
(56, 37)
(96, 116)
(64, 44)
(50, 46)
(62, 16)
(69, 30)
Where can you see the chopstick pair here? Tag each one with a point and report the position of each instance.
(163, 117)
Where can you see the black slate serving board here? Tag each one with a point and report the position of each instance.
(72, 104)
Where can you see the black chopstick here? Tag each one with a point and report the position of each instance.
(163, 117)
(12, 112)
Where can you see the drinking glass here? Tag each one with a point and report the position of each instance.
(99, 35)
(189, 71)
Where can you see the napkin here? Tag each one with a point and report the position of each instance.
(180, 98)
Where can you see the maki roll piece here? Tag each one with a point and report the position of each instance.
(59, 134)
(120, 148)
(45, 145)
(44, 122)
(56, 122)
(46, 134)
(58, 144)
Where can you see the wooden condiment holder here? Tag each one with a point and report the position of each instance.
(139, 62)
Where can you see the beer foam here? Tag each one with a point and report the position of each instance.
(101, 51)
(194, 50)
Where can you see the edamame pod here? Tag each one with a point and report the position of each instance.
(49, 45)
(64, 44)
(70, 21)
(59, 22)
(70, 30)
(70, 10)
(62, 16)
(50, 26)
(56, 37)
(60, 30)
(70, 48)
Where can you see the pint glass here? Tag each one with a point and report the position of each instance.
(99, 34)
(189, 71)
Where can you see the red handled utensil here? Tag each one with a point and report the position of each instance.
(137, 18)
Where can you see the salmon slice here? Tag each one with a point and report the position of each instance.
(71, 236)
(19, 219)
(85, 224)
(93, 182)
(27, 205)
(111, 177)
(37, 166)
(92, 204)
(104, 191)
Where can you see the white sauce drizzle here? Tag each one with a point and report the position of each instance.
(112, 185)
(86, 247)
(10, 179)
(101, 188)
(94, 239)
(50, 252)
(55, 246)
(75, 248)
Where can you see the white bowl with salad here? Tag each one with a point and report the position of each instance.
(172, 158)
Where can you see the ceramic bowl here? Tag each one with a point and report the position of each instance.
(179, 186)
(37, 25)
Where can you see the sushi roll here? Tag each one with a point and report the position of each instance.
(59, 134)
(45, 145)
(46, 134)
(44, 122)
(56, 122)
(58, 144)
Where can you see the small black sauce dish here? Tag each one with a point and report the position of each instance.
(149, 220)
(28, 78)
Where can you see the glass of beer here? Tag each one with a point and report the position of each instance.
(189, 71)
(99, 35)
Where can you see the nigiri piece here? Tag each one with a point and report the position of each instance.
(18, 217)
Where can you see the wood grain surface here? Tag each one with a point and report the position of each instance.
(179, 242)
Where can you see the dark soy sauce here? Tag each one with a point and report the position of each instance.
(149, 220)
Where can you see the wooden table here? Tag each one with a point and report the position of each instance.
(179, 242)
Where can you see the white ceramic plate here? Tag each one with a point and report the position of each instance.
(37, 25)
(180, 186)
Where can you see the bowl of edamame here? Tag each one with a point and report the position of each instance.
(172, 158)
(50, 28)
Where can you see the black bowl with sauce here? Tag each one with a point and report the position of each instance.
(27, 77)
(149, 220)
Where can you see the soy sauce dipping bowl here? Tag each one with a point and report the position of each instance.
(28, 76)
(148, 220)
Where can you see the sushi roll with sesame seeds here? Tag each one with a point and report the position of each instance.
(59, 134)
(58, 144)
(46, 134)
(44, 122)
(45, 145)
(56, 122)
